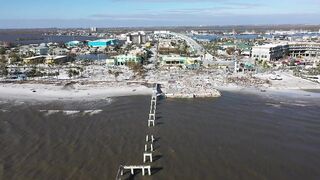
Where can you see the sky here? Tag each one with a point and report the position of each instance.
(138, 13)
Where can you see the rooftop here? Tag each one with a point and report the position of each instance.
(103, 40)
(270, 45)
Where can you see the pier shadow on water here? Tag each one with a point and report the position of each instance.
(159, 117)
(157, 157)
(159, 123)
(138, 173)
(157, 139)
(155, 170)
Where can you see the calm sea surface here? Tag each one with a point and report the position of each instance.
(237, 136)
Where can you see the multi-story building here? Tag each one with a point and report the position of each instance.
(42, 50)
(125, 59)
(93, 29)
(180, 61)
(304, 49)
(137, 38)
(269, 52)
(103, 43)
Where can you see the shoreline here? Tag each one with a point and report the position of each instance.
(75, 91)
(274, 91)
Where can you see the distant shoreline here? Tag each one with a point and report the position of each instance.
(170, 27)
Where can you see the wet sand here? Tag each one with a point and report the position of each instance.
(237, 136)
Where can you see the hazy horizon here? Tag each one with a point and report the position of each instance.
(297, 26)
(150, 13)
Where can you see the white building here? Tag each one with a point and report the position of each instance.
(93, 29)
(161, 32)
(137, 38)
(304, 49)
(271, 52)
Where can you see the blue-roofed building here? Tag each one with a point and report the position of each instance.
(73, 44)
(103, 43)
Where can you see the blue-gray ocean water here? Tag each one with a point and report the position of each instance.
(237, 136)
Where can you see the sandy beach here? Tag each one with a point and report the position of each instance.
(288, 86)
(32, 91)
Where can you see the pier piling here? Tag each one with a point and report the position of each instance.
(146, 149)
(147, 155)
(151, 123)
(152, 116)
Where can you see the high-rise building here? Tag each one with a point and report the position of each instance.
(93, 29)
(136, 38)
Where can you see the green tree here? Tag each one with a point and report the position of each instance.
(2, 51)
(72, 73)
(3, 59)
(230, 50)
(34, 73)
(116, 75)
(214, 48)
(265, 65)
(3, 66)
(183, 48)
(137, 68)
(15, 58)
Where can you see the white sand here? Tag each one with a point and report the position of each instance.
(275, 91)
(76, 92)
(289, 86)
(289, 82)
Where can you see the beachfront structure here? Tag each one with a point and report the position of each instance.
(180, 61)
(103, 43)
(34, 60)
(124, 59)
(56, 59)
(223, 64)
(30, 50)
(245, 48)
(304, 49)
(269, 52)
(45, 59)
(59, 51)
(110, 62)
(73, 44)
(42, 50)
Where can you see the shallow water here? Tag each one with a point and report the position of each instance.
(237, 136)
(312, 90)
